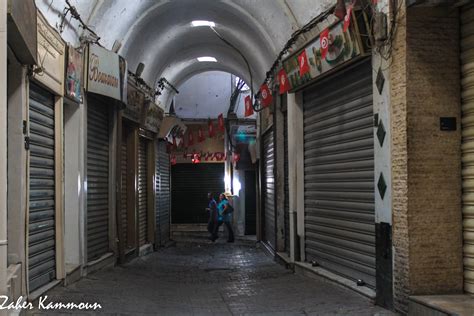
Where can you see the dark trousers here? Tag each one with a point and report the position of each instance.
(215, 235)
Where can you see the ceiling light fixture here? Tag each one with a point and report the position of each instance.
(207, 59)
(202, 23)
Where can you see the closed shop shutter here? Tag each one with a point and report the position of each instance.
(163, 194)
(41, 231)
(339, 174)
(142, 191)
(97, 179)
(123, 192)
(268, 192)
(467, 60)
(286, 184)
(191, 183)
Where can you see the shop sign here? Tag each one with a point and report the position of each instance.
(22, 30)
(50, 54)
(153, 116)
(106, 73)
(343, 47)
(135, 102)
(74, 73)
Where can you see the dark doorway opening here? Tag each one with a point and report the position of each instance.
(250, 203)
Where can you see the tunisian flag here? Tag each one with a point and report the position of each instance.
(266, 95)
(248, 106)
(220, 120)
(211, 129)
(324, 41)
(283, 80)
(303, 63)
(347, 18)
(200, 135)
(190, 138)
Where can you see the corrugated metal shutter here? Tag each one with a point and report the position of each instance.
(286, 184)
(163, 194)
(97, 179)
(339, 174)
(191, 183)
(142, 192)
(41, 231)
(467, 60)
(268, 179)
(123, 188)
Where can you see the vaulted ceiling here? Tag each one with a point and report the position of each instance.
(159, 33)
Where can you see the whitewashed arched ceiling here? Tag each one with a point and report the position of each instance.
(159, 33)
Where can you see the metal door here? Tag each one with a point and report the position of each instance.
(42, 189)
(286, 184)
(467, 64)
(268, 192)
(142, 191)
(163, 194)
(97, 179)
(123, 188)
(339, 174)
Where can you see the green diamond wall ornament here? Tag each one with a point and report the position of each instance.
(382, 186)
(381, 133)
(380, 80)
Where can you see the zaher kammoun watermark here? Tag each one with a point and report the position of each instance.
(44, 304)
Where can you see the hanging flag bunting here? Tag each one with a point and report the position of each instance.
(190, 138)
(211, 128)
(340, 9)
(248, 106)
(200, 135)
(266, 95)
(283, 80)
(196, 158)
(220, 120)
(236, 157)
(303, 63)
(324, 41)
(173, 160)
(347, 19)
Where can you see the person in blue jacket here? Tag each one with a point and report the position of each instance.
(224, 211)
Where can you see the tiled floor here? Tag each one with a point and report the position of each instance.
(201, 278)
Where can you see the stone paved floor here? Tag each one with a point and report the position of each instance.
(210, 279)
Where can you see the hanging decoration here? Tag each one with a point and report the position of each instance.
(347, 19)
(283, 81)
(173, 160)
(200, 135)
(196, 158)
(236, 157)
(324, 41)
(303, 63)
(175, 146)
(266, 95)
(220, 120)
(211, 129)
(248, 106)
(190, 138)
(340, 9)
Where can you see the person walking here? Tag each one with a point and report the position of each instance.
(225, 211)
(213, 216)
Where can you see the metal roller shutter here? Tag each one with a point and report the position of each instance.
(191, 183)
(142, 191)
(163, 194)
(41, 229)
(123, 193)
(268, 180)
(467, 60)
(97, 180)
(286, 184)
(339, 174)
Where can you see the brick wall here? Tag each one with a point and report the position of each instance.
(426, 162)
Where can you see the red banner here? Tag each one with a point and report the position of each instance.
(211, 129)
(248, 106)
(283, 80)
(220, 119)
(266, 95)
(324, 41)
(303, 63)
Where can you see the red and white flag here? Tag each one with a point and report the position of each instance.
(266, 95)
(248, 106)
(173, 160)
(340, 9)
(220, 120)
(303, 63)
(211, 130)
(200, 135)
(190, 138)
(347, 19)
(284, 82)
(324, 41)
